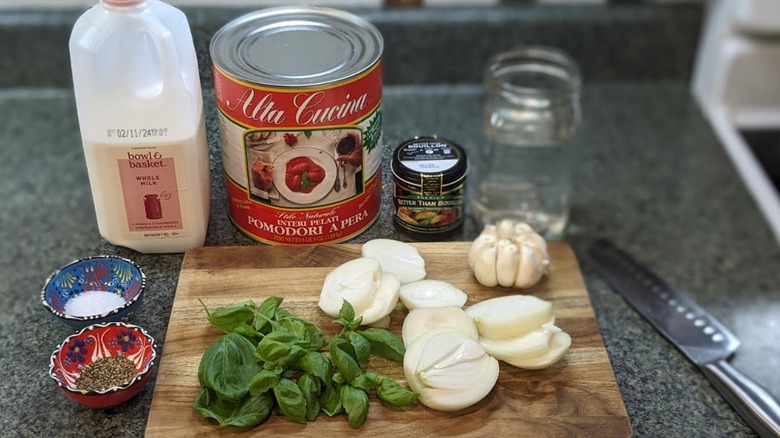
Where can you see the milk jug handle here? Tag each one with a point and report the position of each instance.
(167, 55)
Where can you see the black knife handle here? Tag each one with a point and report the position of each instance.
(755, 405)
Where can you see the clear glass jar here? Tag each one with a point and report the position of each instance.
(531, 112)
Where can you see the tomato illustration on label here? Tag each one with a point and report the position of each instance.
(290, 139)
(302, 174)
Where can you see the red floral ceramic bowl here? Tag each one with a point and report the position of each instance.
(96, 342)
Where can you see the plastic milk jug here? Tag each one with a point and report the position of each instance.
(140, 110)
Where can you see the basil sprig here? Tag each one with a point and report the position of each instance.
(269, 357)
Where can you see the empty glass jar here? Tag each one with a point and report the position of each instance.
(531, 112)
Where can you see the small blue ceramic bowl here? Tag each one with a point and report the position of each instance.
(99, 273)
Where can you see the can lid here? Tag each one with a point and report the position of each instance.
(424, 156)
(296, 46)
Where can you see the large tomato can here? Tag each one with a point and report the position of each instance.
(299, 93)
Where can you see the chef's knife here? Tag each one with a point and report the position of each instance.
(704, 340)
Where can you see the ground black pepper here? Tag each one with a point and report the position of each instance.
(105, 373)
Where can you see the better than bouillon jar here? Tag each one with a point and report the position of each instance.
(429, 176)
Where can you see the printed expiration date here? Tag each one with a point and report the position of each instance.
(137, 132)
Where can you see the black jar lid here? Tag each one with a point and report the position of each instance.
(429, 156)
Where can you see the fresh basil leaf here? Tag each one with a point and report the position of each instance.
(310, 387)
(228, 365)
(316, 364)
(267, 309)
(282, 335)
(263, 381)
(292, 356)
(309, 336)
(296, 327)
(347, 312)
(355, 402)
(316, 335)
(376, 380)
(229, 317)
(330, 399)
(360, 345)
(385, 344)
(271, 350)
(275, 345)
(347, 316)
(341, 321)
(363, 382)
(342, 354)
(338, 379)
(290, 400)
(390, 392)
(248, 332)
(282, 314)
(274, 368)
(250, 411)
(357, 322)
(349, 325)
(344, 345)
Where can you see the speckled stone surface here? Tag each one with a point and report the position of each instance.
(433, 46)
(651, 176)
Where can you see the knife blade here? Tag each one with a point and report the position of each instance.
(692, 329)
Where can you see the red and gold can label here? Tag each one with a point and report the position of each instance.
(302, 165)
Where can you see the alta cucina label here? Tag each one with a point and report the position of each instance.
(302, 165)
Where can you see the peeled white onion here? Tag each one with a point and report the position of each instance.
(431, 293)
(372, 293)
(527, 346)
(422, 320)
(520, 330)
(510, 316)
(385, 299)
(395, 257)
(559, 344)
(450, 370)
(355, 281)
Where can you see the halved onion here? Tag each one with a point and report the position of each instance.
(450, 370)
(385, 299)
(419, 321)
(355, 281)
(527, 346)
(399, 258)
(372, 293)
(510, 316)
(431, 293)
(559, 344)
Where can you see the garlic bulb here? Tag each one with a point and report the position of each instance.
(508, 254)
(450, 370)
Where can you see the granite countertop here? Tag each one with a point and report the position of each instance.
(651, 176)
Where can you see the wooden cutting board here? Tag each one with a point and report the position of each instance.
(578, 396)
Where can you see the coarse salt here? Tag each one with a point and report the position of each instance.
(93, 302)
